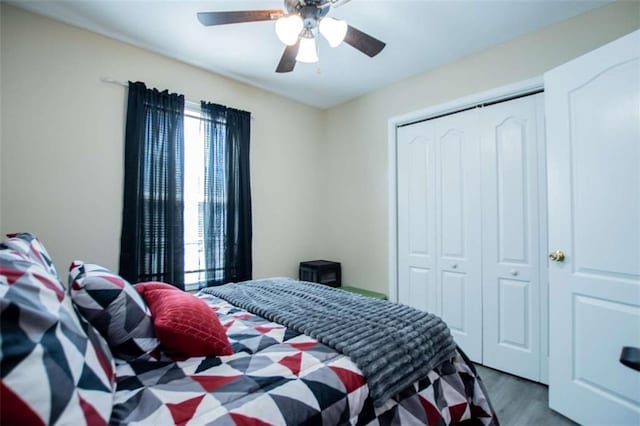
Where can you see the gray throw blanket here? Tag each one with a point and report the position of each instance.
(393, 345)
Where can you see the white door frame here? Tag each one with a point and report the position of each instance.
(489, 96)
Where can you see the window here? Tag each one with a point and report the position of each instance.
(202, 233)
(194, 198)
(187, 187)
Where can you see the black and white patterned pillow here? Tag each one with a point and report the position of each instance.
(30, 246)
(56, 369)
(114, 308)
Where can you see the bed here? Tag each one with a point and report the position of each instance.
(280, 376)
(273, 375)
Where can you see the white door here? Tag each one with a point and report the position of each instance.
(458, 221)
(416, 217)
(512, 133)
(593, 143)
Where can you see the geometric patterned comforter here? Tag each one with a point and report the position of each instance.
(277, 376)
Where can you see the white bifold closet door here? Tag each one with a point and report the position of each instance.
(469, 229)
(417, 218)
(513, 211)
(439, 238)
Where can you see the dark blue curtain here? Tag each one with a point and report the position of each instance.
(227, 206)
(152, 239)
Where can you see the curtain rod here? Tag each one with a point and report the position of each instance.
(126, 84)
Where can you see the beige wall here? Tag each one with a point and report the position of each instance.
(62, 144)
(319, 178)
(356, 167)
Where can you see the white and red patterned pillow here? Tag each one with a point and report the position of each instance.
(55, 368)
(114, 308)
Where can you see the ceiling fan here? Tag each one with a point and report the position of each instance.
(298, 25)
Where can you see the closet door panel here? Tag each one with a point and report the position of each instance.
(453, 300)
(421, 289)
(452, 193)
(458, 228)
(513, 329)
(511, 285)
(416, 217)
(512, 191)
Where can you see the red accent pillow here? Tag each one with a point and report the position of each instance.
(183, 323)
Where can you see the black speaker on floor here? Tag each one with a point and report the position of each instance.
(321, 271)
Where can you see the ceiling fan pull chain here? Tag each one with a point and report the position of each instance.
(316, 34)
(318, 70)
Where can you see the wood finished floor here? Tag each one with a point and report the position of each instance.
(519, 402)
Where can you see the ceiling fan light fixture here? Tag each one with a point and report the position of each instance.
(334, 30)
(288, 29)
(307, 52)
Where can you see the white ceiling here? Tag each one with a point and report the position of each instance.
(420, 36)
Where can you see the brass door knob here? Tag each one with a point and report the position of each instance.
(556, 256)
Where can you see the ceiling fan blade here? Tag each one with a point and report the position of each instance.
(338, 3)
(238, 17)
(365, 43)
(288, 60)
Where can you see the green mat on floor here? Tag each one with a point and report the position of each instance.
(364, 292)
